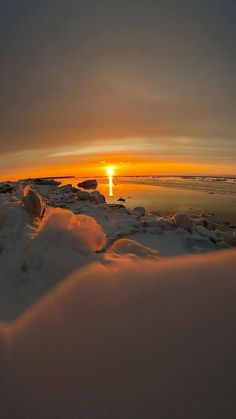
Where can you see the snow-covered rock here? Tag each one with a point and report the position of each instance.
(165, 223)
(155, 213)
(6, 187)
(183, 220)
(118, 208)
(203, 231)
(221, 244)
(200, 242)
(139, 211)
(33, 203)
(234, 237)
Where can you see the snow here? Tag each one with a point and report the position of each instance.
(109, 313)
(134, 338)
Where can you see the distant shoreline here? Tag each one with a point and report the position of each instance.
(201, 177)
(146, 176)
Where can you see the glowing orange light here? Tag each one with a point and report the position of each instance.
(110, 170)
(110, 173)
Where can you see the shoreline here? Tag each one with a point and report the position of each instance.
(82, 225)
(109, 300)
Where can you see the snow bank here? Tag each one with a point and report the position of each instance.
(127, 247)
(131, 339)
(36, 254)
(124, 333)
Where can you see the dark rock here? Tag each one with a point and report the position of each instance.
(139, 211)
(83, 195)
(121, 199)
(88, 184)
(97, 197)
(68, 188)
(46, 182)
(6, 187)
(118, 207)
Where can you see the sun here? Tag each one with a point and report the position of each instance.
(110, 170)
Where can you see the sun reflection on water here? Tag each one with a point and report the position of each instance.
(110, 173)
(110, 178)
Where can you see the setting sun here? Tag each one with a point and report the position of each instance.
(110, 170)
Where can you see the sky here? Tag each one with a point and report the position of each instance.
(146, 86)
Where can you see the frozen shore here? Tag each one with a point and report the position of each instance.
(111, 313)
(48, 231)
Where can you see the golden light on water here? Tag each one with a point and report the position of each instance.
(110, 185)
(110, 173)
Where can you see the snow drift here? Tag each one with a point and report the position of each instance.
(131, 339)
(36, 254)
(103, 327)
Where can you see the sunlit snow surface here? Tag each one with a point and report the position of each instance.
(101, 319)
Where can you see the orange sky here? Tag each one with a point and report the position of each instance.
(124, 165)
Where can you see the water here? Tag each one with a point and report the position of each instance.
(171, 194)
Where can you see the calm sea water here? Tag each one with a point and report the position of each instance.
(171, 194)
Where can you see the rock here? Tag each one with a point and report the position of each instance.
(118, 207)
(203, 231)
(231, 238)
(121, 199)
(165, 223)
(206, 222)
(97, 197)
(155, 213)
(234, 238)
(226, 236)
(139, 211)
(88, 184)
(203, 215)
(83, 195)
(222, 245)
(200, 221)
(148, 221)
(68, 188)
(33, 203)
(211, 225)
(182, 219)
(47, 182)
(198, 242)
(184, 233)
(6, 187)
